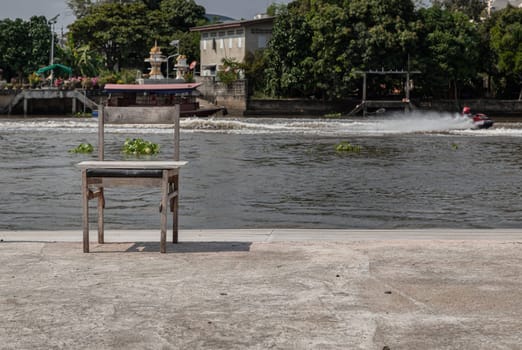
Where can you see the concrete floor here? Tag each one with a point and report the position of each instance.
(259, 289)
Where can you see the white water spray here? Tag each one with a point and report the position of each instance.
(420, 122)
(393, 124)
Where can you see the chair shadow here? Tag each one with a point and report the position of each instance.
(191, 247)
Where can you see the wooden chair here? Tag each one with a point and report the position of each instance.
(97, 175)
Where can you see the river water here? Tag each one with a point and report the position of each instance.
(424, 170)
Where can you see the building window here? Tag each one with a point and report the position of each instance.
(230, 33)
(221, 34)
(204, 35)
(239, 31)
(213, 34)
(261, 41)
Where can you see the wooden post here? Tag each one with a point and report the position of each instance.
(25, 106)
(174, 208)
(175, 201)
(85, 205)
(176, 133)
(101, 205)
(74, 105)
(364, 95)
(164, 210)
(101, 115)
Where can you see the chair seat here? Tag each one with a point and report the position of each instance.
(150, 173)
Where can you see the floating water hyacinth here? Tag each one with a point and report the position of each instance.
(82, 148)
(140, 147)
(346, 146)
(332, 115)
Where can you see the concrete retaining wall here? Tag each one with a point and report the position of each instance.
(288, 107)
(5, 100)
(488, 106)
(233, 96)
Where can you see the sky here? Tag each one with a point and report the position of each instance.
(24, 9)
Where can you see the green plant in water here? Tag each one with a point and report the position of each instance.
(83, 115)
(82, 148)
(333, 115)
(346, 146)
(140, 147)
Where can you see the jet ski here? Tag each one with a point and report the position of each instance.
(481, 121)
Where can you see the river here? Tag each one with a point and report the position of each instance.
(425, 170)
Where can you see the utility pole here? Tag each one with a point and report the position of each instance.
(52, 22)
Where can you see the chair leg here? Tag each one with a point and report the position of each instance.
(163, 212)
(85, 205)
(101, 206)
(175, 208)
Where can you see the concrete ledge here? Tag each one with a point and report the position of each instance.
(269, 235)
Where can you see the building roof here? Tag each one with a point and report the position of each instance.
(232, 24)
(218, 18)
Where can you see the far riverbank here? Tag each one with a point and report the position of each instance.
(306, 107)
(66, 104)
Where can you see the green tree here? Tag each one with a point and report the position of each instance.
(124, 32)
(331, 62)
(172, 21)
(39, 38)
(384, 30)
(288, 71)
(254, 66)
(120, 32)
(178, 14)
(24, 46)
(318, 45)
(506, 42)
(472, 8)
(275, 9)
(81, 59)
(81, 8)
(448, 51)
(383, 33)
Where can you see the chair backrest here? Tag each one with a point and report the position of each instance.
(138, 115)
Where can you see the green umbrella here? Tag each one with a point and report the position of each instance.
(53, 66)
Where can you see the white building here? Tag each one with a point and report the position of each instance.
(232, 40)
(495, 5)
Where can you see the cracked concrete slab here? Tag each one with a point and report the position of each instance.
(404, 294)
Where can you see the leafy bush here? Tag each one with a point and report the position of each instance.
(107, 77)
(230, 72)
